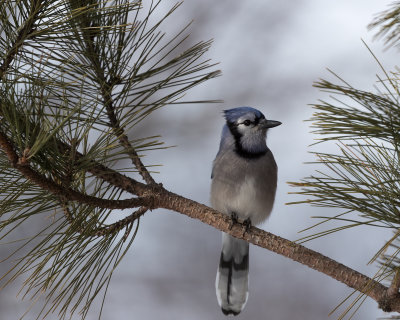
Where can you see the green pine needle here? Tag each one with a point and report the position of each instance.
(362, 179)
(64, 65)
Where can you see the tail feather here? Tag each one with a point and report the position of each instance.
(233, 275)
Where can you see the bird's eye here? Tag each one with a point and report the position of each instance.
(247, 122)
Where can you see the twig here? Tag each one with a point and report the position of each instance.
(111, 176)
(24, 32)
(106, 92)
(104, 230)
(123, 223)
(70, 194)
(123, 139)
(80, 223)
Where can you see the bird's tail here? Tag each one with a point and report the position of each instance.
(233, 275)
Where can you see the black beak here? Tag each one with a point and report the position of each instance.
(271, 123)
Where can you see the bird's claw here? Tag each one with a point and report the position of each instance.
(247, 224)
(234, 220)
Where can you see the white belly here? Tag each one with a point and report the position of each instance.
(245, 200)
(244, 187)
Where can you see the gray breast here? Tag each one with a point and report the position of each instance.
(244, 186)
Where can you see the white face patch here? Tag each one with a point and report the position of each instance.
(245, 124)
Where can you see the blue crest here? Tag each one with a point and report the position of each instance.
(232, 115)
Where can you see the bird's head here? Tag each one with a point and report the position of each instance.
(249, 127)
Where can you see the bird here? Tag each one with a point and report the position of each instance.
(244, 181)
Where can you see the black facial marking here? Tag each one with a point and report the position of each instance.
(234, 130)
(238, 146)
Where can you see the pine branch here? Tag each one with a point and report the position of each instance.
(387, 298)
(68, 73)
(113, 228)
(21, 164)
(25, 32)
(388, 24)
(312, 259)
(363, 178)
(119, 132)
(165, 199)
(106, 88)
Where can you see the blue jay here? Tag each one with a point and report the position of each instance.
(244, 178)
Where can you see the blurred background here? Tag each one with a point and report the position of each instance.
(270, 53)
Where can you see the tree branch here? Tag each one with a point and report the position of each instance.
(389, 300)
(155, 196)
(47, 184)
(284, 247)
(111, 176)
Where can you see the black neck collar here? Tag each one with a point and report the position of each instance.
(246, 154)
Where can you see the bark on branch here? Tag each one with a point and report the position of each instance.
(69, 194)
(387, 299)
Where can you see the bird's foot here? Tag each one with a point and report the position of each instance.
(234, 220)
(247, 224)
